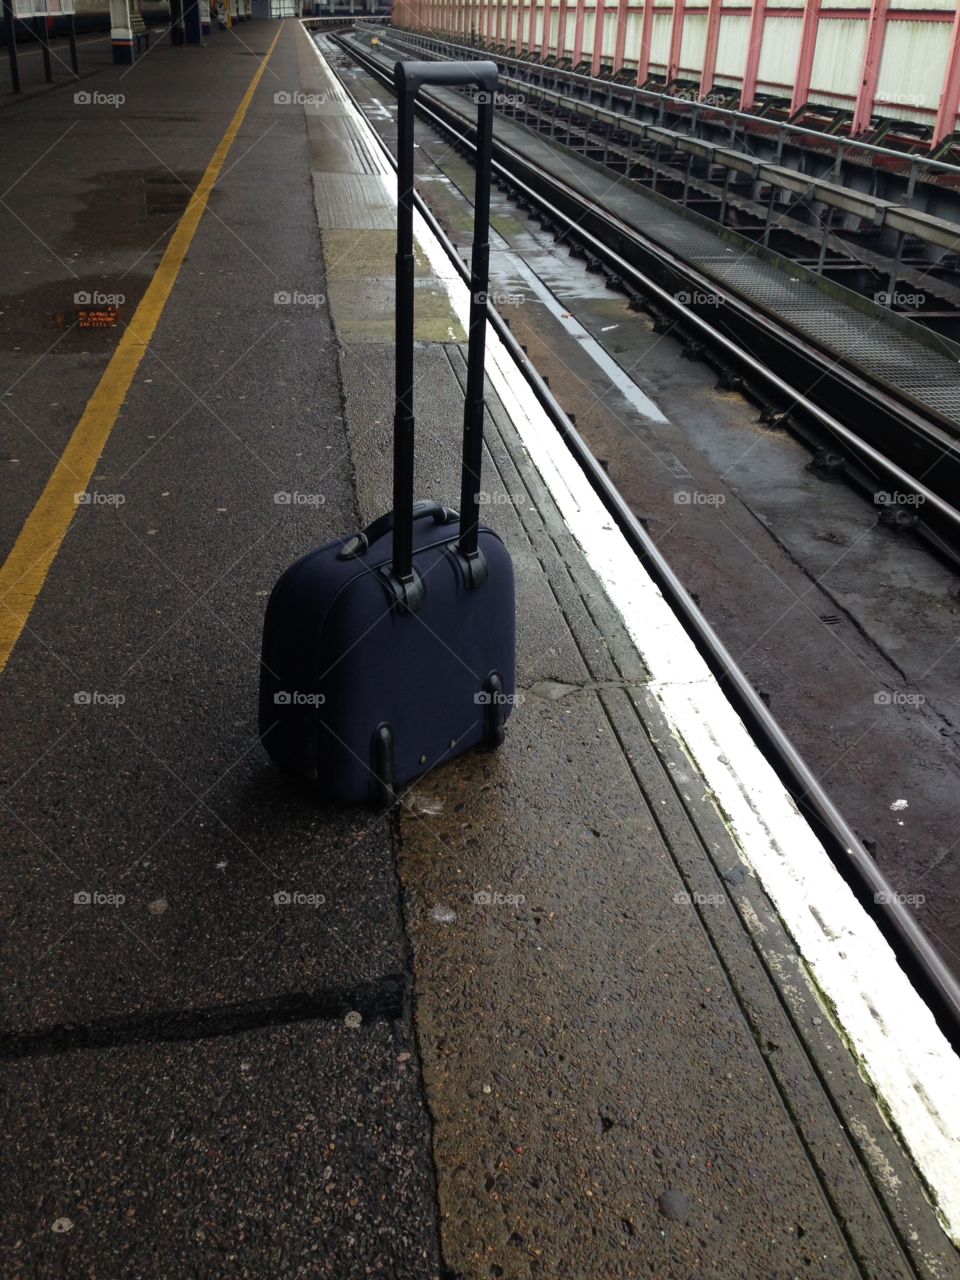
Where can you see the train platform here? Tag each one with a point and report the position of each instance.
(595, 1005)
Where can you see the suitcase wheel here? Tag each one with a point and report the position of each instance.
(384, 773)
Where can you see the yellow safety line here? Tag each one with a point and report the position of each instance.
(26, 567)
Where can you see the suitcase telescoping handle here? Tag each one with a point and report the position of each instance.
(410, 77)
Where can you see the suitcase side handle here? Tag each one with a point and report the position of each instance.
(361, 542)
(410, 77)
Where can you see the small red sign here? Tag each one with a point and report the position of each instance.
(98, 317)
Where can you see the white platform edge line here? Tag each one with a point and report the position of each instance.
(899, 1046)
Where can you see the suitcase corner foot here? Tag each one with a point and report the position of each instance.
(494, 718)
(384, 773)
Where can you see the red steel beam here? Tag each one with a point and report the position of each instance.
(623, 13)
(870, 73)
(562, 28)
(748, 94)
(950, 96)
(710, 49)
(532, 30)
(599, 20)
(578, 33)
(808, 47)
(646, 34)
(676, 39)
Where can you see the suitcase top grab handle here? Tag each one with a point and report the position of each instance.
(409, 78)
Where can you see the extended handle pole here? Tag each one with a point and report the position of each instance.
(409, 77)
(403, 421)
(479, 279)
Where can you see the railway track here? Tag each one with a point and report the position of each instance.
(680, 167)
(916, 952)
(867, 431)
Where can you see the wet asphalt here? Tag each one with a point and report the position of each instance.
(200, 1079)
(488, 1036)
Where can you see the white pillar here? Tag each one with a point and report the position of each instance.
(121, 31)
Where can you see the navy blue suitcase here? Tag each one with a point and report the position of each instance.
(393, 650)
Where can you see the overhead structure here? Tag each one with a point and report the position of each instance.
(886, 58)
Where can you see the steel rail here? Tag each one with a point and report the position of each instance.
(920, 960)
(935, 517)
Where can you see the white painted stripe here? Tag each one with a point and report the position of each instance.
(897, 1042)
(604, 362)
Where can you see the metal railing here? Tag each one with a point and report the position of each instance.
(846, 148)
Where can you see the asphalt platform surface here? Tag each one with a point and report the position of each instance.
(541, 1022)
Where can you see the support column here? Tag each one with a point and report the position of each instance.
(562, 29)
(532, 29)
(876, 32)
(748, 94)
(598, 24)
(9, 31)
(43, 37)
(72, 38)
(646, 35)
(578, 33)
(192, 33)
(676, 39)
(950, 97)
(623, 14)
(710, 51)
(808, 47)
(121, 31)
